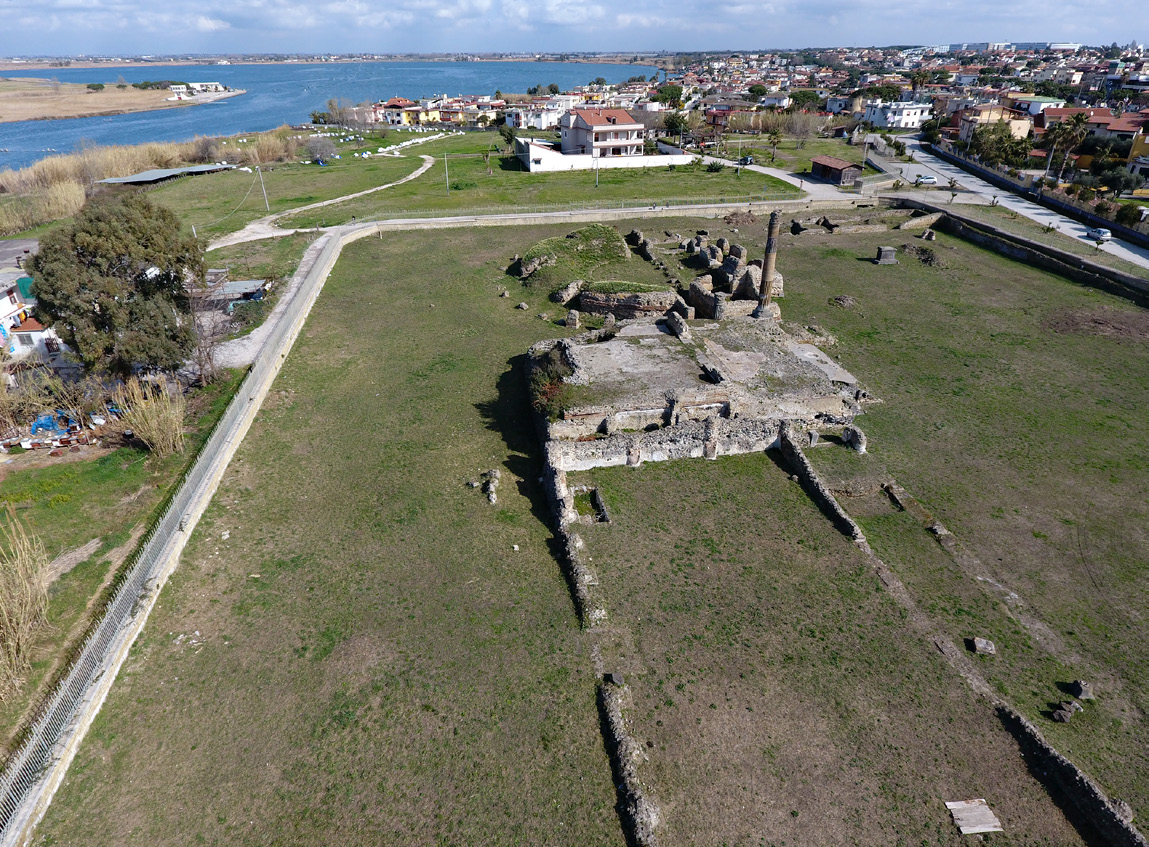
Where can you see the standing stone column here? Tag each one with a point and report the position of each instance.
(768, 267)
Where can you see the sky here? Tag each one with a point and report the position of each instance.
(133, 27)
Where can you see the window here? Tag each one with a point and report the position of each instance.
(24, 338)
(12, 298)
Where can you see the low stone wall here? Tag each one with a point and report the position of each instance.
(639, 813)
(1108, 818)
(817, 489)
(1077, 268)
(688, 439)
(626, 306)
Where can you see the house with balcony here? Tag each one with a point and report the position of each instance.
(601, 133)
(900, 115)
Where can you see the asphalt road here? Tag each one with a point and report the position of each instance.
(929, 164)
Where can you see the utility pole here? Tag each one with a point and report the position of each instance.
(447, 170)
(264, 187)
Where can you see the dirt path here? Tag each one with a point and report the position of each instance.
(266, 227)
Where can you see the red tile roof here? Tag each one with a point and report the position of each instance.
(29, 325)
(603, 117)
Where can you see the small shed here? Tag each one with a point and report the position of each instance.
(836, 171)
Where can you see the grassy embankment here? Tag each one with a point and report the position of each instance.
(1016, 224)
(104, 495)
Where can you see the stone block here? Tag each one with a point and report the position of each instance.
(1083, 690)
(738, 251)
(573, 319)
(722, 244)
(886, 256)
(678, 326)
(984, 647)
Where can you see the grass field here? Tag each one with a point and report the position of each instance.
(790, 156)
(1013, 409)
(104, 493)
(26, 99)
(224, 202)
(508, 187)
(776, 688)
(366, 658)
(397, 672)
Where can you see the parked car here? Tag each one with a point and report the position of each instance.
(926, 179)
(1099, 234)
(746, 160)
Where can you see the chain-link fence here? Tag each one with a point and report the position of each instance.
(146, 574)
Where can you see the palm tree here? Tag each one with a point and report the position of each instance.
(774, 136)
(1078, 129)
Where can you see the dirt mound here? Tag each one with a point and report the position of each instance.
(1105, 321)
(925, 255)
(740, 219)
(845, 301)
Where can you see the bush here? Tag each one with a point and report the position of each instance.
(1102, 209)
(95, 86)
(1129, 214)
(156, 416)
(1071, 190)
(714, 167)
(550, 395)
(462, 185)
(1086, 193)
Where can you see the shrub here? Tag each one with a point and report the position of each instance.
(1071, 190)
(95, 86)
(462, 185)
(156, 417)
(1086, 193)
(1129, 214)
(1102, 209)
(23, 599)
(550, 395)
(714, 167)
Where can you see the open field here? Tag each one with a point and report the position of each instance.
(101, 494)
(371, 661)
(509, 188)
(396, 673)
(27, 99)
(791, 157)
(227, 201)
(776, 688)
(1013, 409)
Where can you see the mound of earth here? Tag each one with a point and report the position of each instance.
(1105, 321)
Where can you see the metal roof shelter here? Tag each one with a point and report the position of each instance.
(160, 174)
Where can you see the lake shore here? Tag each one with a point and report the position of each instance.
(42, 100)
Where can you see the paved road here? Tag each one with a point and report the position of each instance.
(929, 164)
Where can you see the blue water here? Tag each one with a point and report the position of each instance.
(276, 94)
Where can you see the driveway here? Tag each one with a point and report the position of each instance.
(929, 164)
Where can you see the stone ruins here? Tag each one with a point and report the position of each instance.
(714, 376)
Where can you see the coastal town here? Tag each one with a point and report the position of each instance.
(658, 448)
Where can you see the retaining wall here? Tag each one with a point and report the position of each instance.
(1071, 266)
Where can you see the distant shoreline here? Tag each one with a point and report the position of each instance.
(46, 66)
(200, 100)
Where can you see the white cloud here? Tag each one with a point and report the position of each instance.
(206, 24)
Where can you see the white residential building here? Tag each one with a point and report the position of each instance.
(901, 115)
(601, 133)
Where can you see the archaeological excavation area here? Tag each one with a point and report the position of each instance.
(582, 534)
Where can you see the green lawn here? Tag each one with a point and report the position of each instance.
(791, 157)
(379, 664)
(227, 201)
(508, 187)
